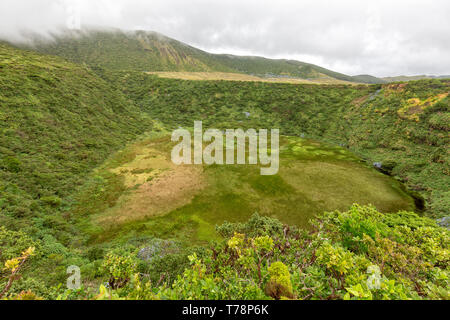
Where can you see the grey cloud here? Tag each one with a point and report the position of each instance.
(382, 38)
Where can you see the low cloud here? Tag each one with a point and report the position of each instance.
(382, 38)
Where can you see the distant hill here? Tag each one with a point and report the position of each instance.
(134, 51)
(151, 51)
(365, 78)
(411, 78)
(279, 67)
(118, 50)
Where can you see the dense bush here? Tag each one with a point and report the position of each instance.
(390, 256)
(58, 121)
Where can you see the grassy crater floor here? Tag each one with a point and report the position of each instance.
(139, 192)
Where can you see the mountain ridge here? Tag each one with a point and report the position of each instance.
(412, 78)
(152, 51)
(116, 49)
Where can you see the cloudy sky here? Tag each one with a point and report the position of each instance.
(382, 37)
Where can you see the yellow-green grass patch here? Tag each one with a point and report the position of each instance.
(188, 201)
(228, 76)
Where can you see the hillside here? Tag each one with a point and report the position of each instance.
(412, 78)
(186, 202)
(228, 76)
(150, 51)
(86, 180)
(403, 126)
(138, 51)
(282, 68)
(365, 78)
(58, 121)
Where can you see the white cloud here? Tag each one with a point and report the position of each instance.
(380, 37)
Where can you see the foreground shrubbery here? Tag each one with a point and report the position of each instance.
(358, 254)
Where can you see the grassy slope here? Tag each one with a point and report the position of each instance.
(244, 77)
(148, 196)
(263, 66)
(148, 51)
(58, 121)
(139, 51)
(405, 126)
(365, 78)
(412, 78)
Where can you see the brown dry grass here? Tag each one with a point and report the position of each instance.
(155, 186)
(243, 77)
(359, 101)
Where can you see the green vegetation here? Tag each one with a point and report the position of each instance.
(365, 78)
(360, 254)
(409, 78)
(313, 178)
(85, 180)
(401, 126)
(138, 51)
(150, 51)
(58, 121)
